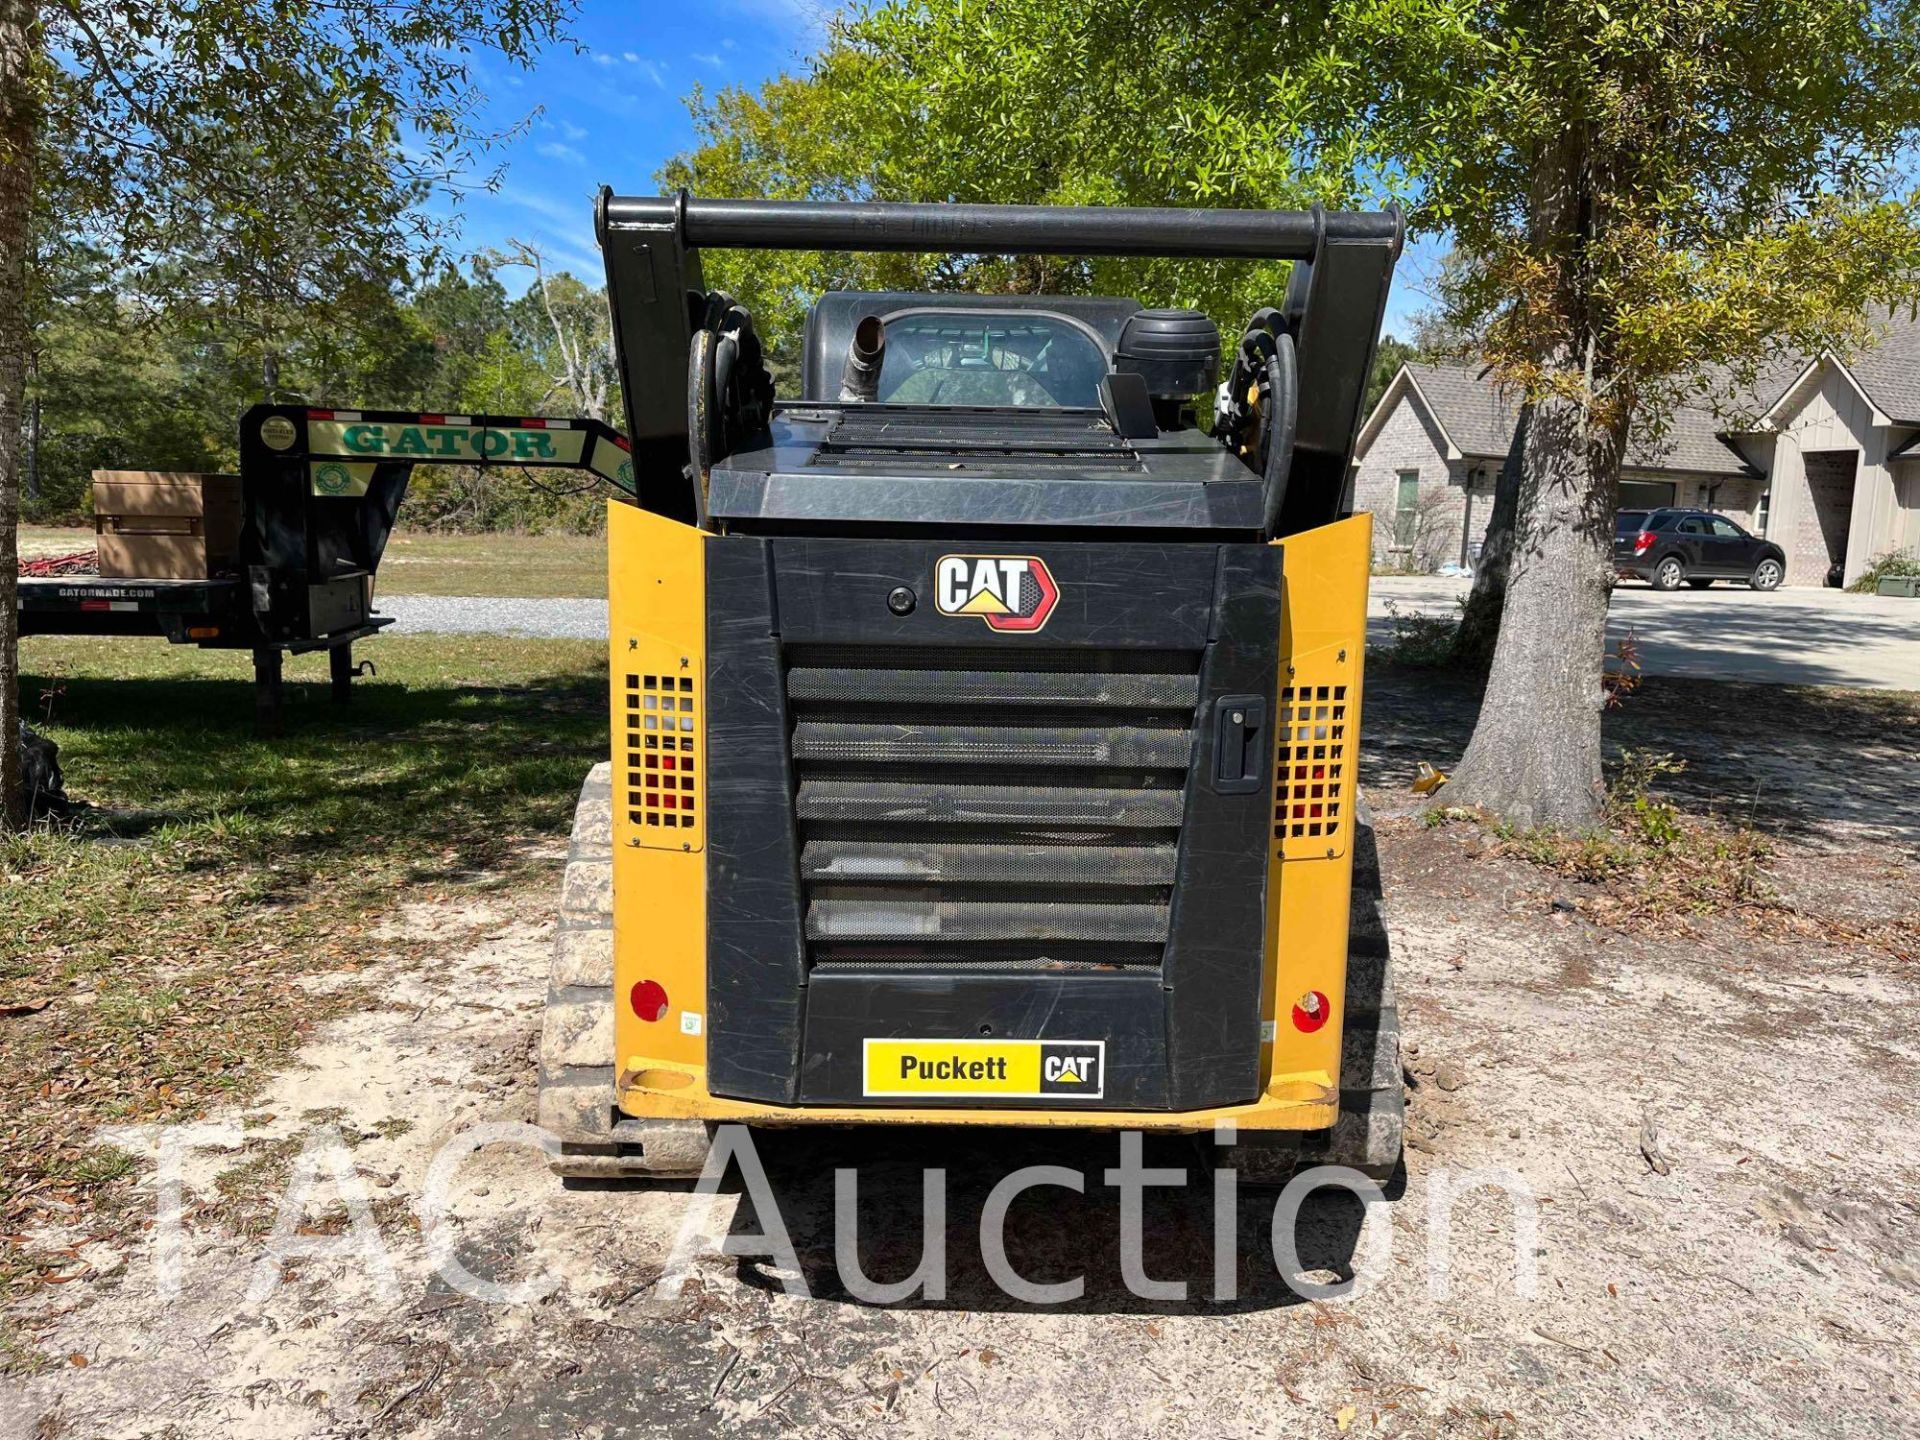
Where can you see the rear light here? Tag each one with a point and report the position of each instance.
(203, 632)
(1642, 543)
(1311, 1012)
(649, 1000)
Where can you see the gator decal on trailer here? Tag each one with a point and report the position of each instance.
(551, 444)
(340, 477)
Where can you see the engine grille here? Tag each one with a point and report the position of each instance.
(980, 809)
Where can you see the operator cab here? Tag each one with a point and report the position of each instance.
(992, 409)
(1023, 351)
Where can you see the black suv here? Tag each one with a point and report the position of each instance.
(1667, 547)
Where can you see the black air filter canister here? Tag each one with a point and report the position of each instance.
(1177, 352)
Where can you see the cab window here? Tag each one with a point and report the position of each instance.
(962, 358)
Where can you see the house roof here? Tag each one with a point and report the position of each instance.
(1476, 419)
(1889, 372)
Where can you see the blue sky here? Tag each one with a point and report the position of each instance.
(611, 115)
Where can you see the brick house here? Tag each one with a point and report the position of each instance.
(1829, 469)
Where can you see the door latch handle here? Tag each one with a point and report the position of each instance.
(1240, 744)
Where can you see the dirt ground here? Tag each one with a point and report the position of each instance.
(1768, 1284)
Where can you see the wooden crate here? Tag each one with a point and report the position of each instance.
(163, 525)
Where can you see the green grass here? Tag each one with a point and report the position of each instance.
(37, 541)
(1649, 859)
(520, 566)
(169, 928)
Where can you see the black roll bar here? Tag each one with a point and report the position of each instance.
(996, 229)
(1342, 265)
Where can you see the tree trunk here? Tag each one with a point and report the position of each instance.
(1534, 759)
(19, 34)
(33, 451)
(1480, 622)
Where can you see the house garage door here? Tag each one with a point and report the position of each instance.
(1645, 494)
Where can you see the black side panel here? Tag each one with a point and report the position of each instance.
(756, 967)
(1212, 964)
(1123, 1010)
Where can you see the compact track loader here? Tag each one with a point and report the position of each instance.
(984, 730)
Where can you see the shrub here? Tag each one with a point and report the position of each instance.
(1420, 639)
(1649, 857)
(1885, 566)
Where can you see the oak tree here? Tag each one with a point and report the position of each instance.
(1647, 202)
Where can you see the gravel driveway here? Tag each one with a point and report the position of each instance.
(1788, 637)
(1764, 1287)
(479, 615)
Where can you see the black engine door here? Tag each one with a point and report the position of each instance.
(970, 793)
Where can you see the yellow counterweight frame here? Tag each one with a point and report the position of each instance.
(656, 603)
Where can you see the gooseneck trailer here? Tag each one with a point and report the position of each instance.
(319, 492)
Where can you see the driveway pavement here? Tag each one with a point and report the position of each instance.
(1788, 637)
(1727, 632)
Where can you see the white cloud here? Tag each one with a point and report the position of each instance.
(638, 61)
(562, 228)
(573, 131)
(585, 264)
(556, 151)
(707, 57)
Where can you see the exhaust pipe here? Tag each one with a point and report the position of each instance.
(861, 379)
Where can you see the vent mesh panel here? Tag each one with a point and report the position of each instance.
(662, 771)
(1310, 773)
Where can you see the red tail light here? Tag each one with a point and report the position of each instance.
(1311, 1012)
(1642, 543)
(649, 1000)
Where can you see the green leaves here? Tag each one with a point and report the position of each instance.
(269, 152)
(1020, 101)
(1637, 195)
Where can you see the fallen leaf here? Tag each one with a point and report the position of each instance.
(77, 1360)
(26, 1007)
(1344, 1418)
